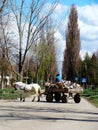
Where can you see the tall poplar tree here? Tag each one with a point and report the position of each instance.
(71, 54)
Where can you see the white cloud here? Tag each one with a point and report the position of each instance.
(88, 24)
(60, 45)
(83, 53)
(89, 14)
(87, 31)
(60, 11)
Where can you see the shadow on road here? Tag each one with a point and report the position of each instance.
(36, 113)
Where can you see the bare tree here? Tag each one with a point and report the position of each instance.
(2, 4)
(4, 48)
(44, 54)
(29, 21)
(71, 54)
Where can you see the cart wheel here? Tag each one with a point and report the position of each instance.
(77, 98)
(57, 97)
(49, 98)
(64, 99)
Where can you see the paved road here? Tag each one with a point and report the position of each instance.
(16, 115)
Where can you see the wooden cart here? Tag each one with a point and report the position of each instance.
(60, 93)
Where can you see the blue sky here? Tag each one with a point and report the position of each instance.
(78, 2)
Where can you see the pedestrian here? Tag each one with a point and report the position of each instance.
(58, 78)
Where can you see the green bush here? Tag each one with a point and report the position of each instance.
(91, 95)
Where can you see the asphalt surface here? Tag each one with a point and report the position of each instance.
(16, 115)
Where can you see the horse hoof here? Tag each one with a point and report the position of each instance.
(20, 99)
(24, 100)
(32, 100)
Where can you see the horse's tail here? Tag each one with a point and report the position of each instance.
(39, 91)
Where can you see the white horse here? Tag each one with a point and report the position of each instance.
(23, 87)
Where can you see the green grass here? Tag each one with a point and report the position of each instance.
(91, 95)
(8, 93)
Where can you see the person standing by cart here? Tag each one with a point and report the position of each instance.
(59, 81)
(58, 78)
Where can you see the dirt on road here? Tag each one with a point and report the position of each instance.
(16, 115)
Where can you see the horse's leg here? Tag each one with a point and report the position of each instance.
(39, 94)
(38, 98)
(23, 100)
(20, 97)
(33, 98)
(23, 96)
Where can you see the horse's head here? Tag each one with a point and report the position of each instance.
(19, 85)
(14, 86)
